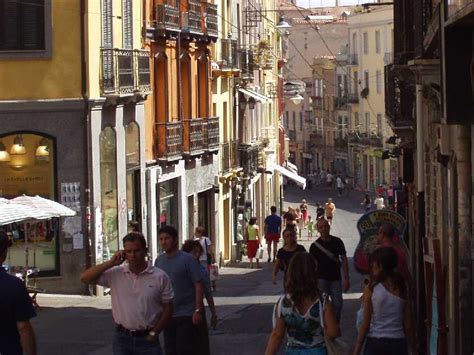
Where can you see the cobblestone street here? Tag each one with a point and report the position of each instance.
(244, 298)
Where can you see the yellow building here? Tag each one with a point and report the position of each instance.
(370, 48)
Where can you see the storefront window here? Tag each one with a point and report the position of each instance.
(132, 146)
(27, 167)
(168, 203)
(108, 187)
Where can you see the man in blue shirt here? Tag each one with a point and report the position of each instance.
(183, 270)
(16, 309)
(272, 232)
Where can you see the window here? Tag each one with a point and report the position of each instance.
(294, 120)
(287, 119)
(379, 124)
(366, 43)
(25, 28)
(132, 159)
(367, 122)
(378, 81)
(107, 34)
(339, 86)
(366, 79)
(354, 43)
(301, 120)
(356, 82)
(377, 42)
(127, 18)
(340, 126)
(203, 86)
(356, 121)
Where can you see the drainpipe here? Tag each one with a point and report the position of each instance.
(87, 130)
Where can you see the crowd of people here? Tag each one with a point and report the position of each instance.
(167, 295)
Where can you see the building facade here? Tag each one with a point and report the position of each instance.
(429, 86)
(370, 47)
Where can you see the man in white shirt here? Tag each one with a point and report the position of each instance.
(142, 297)
(329, 179)
(339, 185)
(379, 202)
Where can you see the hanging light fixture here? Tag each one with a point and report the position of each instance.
(4, 155)
(18, 147)
(252, 103)
(282, 24)
(42, 151)
(297, 99)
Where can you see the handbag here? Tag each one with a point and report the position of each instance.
(334, 346)
(214, 272)
(260, 252)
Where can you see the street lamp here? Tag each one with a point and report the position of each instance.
(297, 99)
(282, 24)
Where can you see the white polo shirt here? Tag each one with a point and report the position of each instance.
(137, 299)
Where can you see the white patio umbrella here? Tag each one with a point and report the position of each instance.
(12, 213)
(50, 207)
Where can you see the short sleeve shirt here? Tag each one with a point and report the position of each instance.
(205, 243)
(285, 256)
(137, 299)
(273, 223)
(184, 273)
(328, 269)
(15, 306)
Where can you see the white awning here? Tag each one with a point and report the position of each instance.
(255, 95)
(291, 175)
(292, 167)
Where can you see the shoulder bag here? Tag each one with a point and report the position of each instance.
(334, 346)
(328, 253)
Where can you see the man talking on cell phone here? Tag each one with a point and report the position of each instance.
(142, 297)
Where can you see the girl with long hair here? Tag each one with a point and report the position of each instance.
(284, 255)
(386, 326)
(302, 313)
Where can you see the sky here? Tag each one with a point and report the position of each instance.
(318, 3)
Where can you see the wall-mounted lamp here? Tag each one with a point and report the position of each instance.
(251, 103)
(282, 24)
(297, 99)
(4, 155)
(18, 147)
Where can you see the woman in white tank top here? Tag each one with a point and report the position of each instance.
(387, 324)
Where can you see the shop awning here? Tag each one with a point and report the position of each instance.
(258, 97)
(291, 175)
(292, 167)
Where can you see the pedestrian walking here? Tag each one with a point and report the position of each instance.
(319, 211)
(299, 222)
(182, 331)
(386, 326)
(142, 297)
(367, 203)
(16, 332)
(329, 178)
(290, 217)
(304, 212)
(302, 313)
(194, 248)
(339, 185)
(253, 241)
(379, 202)
(272, 231)
(207, 255)
(330, 253)
(310, 226)
(390, 197)
(329, 210)
(284, 255)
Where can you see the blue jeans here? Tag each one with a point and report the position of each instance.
(334, 290)
(124, 344)
(310, 351)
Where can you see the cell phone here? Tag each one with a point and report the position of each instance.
(122, 256)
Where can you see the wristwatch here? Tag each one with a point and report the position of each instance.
(152, 333)
(197, 310)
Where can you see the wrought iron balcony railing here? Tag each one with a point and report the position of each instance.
(228, 59)
(170, 139)
(212, 29)
(125, 71)
(225, 155)
(193, 136)
(353, 98)
(341, 103)
(249, 158)
(167, 16)
(211, 134)
(353, 59)
(388, 58)
(191, 20)
(235, 155)
(247, 63)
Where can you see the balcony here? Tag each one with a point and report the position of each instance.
(249, 158)
(341, 103)
(191, 20)
(353, 59)
(212, 29)
(228, 59)
(125, 72)
(225, 157)
(166, 21)
(211, 134)
(193, 137)
(170, 141)
(341, 144)
(388, 58)
(317, 102)
(353, 98)
(292, 135)
(247, 64)
(235, 154)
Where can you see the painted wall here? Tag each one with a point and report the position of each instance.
(57, 77)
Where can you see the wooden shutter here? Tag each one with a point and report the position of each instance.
(127, 24)
(107, 35)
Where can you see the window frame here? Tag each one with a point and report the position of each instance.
(45, 53)
(365, 40)
(378, 39)
(378, 81)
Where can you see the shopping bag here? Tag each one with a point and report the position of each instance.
(214, 272)
(260, 252)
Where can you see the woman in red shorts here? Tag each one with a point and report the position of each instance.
(253, 240)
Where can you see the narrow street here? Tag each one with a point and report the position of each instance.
(244, 297)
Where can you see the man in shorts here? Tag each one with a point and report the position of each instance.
(329, 209)
(272, 232)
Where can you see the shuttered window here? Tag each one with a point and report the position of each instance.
(127, 24)
(22, 25)
(107, 35)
